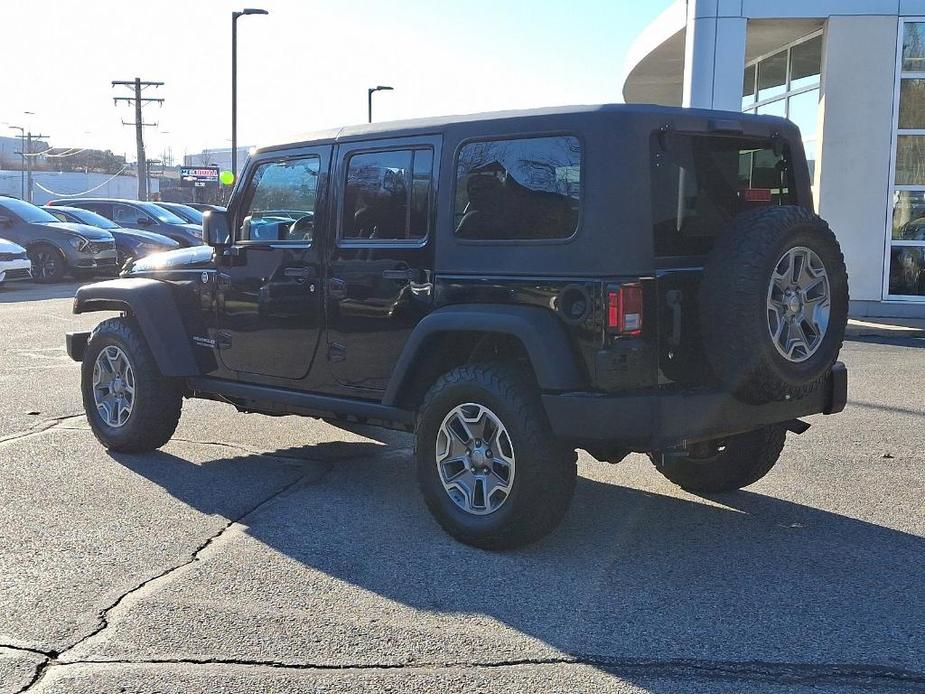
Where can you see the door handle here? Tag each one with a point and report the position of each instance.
(299, 272)
(403, 274)
(337, 288)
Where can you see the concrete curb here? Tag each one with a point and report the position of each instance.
(895, 328)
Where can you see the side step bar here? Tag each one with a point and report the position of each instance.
(280, 401)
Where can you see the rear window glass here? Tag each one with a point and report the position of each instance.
(701, 182)
(526, 189)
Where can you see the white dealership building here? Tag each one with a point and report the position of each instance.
(851, 74)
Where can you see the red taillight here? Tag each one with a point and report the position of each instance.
(624, 309)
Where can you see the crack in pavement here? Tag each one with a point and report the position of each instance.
(39, 427)
(774, 672)
(27, 649)
(54, 659)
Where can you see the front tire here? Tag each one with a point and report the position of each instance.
(724, 466)
(488, 465)
(130, 405)
(48, 263)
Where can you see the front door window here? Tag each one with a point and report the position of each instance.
(281, 201)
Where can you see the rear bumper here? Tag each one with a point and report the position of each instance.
(653, 421)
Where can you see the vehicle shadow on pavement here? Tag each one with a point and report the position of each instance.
(630, 574)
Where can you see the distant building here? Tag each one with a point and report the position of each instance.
(217, 157)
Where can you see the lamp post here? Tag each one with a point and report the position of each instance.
(369, 95)
(234, 82)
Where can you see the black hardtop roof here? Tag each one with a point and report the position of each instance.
(426, 126)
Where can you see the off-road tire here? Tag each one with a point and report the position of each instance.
(158, 399)
(60, 265)
(544, 480)
(745, 459)
(734, 310)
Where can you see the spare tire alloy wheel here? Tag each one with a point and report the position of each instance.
(113, 386)
(475, 459)
(799, 304)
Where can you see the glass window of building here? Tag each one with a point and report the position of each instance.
(786, 84)
(905, 279)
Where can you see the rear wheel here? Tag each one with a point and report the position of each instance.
(488, 465)
(48, 263)
(723, 465)
(130, 405)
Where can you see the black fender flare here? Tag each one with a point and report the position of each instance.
(552, 355)
(152, 304)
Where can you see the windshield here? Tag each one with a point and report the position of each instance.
(93, 219)
(160, 213)
(26, 212)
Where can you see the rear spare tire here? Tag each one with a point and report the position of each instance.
(774, 304)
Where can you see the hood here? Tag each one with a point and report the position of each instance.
(88, 232)
(191, 257)
(10, 247)
(145, 237)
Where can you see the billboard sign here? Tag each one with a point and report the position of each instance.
(198, 176)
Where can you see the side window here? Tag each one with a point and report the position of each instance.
(126, 215)
(101, 208)
(518, 189)
(701, 182)
(387, 195)
(281, 200)
(60, 216)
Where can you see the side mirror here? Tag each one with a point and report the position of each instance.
(144, 222)
(5, 221)
(215, 228)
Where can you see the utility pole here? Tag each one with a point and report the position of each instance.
(141, 166)
(28, 157)
(22, 156)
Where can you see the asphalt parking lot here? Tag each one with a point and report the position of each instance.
(257, 554)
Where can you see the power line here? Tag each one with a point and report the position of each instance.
(139, 102)
(84, 192)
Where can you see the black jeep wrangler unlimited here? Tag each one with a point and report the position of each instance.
(509, 287)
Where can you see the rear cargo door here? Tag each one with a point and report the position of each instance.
(700, 183)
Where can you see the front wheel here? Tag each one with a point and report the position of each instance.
(48, 263)
(488, 465)
(723, 465)
(130, 405)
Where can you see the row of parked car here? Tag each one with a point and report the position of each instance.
(89, 236)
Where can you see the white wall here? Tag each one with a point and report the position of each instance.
(72, 183)
(714, 57)
(853, 164)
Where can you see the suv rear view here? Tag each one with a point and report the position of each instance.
(509, 287)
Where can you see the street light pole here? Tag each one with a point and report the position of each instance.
(234, 83)
(369, 95)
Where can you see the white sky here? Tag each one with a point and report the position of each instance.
(306, 66)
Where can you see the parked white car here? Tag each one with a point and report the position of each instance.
(14, 263)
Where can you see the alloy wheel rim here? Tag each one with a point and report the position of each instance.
(475, 459)
(113, 386)
(45, 264)
(799, 304)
